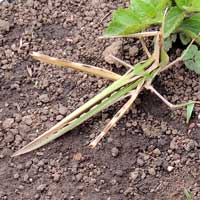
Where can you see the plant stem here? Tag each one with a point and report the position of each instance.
(135, 35)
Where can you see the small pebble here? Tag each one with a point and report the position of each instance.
(7, 123)
(152, 171)
(128, 191)
(59, 117)
(133, 51)
(114, 50)
(156, 152)
(27, 120)
(62, 110)
(190, 145)
(4, 25)
(119, 172)
(17, 117)
(41, 187)
(44, 98)
(170, 168)
(115, 152)
(56, 177)
(9, 137)
(134, 175)
(16, 176)
(140, 162)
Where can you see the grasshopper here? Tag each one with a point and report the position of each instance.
(129, 85)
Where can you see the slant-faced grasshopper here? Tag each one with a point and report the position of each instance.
(129, 85)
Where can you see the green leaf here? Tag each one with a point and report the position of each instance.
(124, 22)
(190, 53)
(189, 5)
(173, 19)
(185, 39)
(197, 63)
(162, 4)
(157, 4)
(190, 26)
(144, 9)
(190, 108)
(169, 41)
(149, 11)
(191, 58)
(187, 195)
(190, 64)
(139, 16)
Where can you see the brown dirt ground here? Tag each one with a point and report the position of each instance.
(134, 161)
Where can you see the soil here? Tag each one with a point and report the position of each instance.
(150, 155)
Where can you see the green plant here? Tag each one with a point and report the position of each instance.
(180, 18)
(187, 195)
